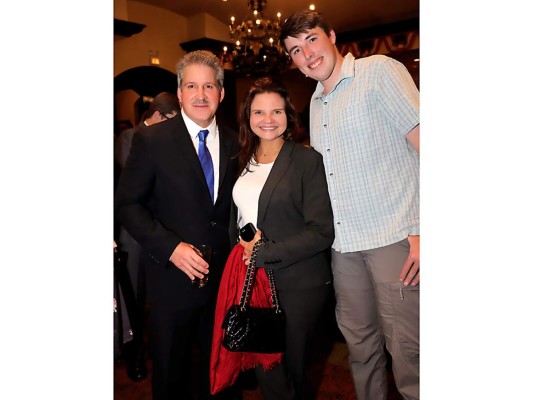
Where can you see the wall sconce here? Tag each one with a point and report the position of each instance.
(153, 57)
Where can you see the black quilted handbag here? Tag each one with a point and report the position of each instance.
(252, 329)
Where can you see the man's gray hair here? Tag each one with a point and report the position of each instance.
(201, 57)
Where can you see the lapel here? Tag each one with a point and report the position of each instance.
(225, 148)
(278, 170)
(187, 153)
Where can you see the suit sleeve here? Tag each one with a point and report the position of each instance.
(123, 147)
(318, 233)
(132, 199)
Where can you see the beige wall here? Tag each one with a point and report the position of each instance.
(164, 32)
(120, 9)
(204, 25)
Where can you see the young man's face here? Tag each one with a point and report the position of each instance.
(200, 94)
(314, 53)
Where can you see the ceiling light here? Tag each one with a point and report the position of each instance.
(257, 49)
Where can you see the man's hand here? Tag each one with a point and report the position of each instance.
(410, 274)
(186, 258)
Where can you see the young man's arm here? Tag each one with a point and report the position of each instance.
(413, 137)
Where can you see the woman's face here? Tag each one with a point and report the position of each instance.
(267, 116)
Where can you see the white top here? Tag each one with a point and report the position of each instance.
(212, 141)
(247, 190)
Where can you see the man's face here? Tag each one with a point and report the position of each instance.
(199, 94)
(314, 53)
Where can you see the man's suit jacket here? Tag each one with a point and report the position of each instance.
(123, 144)
(296, 219)
(122, 150)
(162, 199)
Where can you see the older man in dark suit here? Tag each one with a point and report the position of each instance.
(174, 195)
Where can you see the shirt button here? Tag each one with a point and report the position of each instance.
(331, 174)
(212, 223)
(325, 125)
(338, 223)
(325, 103)
(327, 149)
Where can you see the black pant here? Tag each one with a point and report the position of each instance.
(303, 309)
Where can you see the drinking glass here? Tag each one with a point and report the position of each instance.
(205, 252)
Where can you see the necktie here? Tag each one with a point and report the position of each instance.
(206, 161)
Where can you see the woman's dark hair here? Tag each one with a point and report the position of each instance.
(248, 140)
(301, 22)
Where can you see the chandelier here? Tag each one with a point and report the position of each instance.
(257, 50)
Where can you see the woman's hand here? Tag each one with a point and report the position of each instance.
(248, 247)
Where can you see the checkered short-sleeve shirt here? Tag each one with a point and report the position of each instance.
(372, 171)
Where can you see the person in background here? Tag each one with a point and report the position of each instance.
(364, 120)
(164, 106)
(282, 190)
(174, 194)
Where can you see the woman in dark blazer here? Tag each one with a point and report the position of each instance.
(282, 190)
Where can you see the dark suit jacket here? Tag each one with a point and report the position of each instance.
(162, 199)
(123, 144)
(296, 219)
(126, 241)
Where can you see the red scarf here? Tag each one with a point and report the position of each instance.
(226, 365)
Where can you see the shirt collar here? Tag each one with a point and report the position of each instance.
(194, 129)
(347, 71)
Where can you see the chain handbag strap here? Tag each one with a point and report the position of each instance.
(249, 280)
(273, 290)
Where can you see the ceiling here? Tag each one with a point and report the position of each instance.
(343, 15)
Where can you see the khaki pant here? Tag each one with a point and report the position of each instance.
(373, 308)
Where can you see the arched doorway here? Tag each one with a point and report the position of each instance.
(133, 86)
(146, 80)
